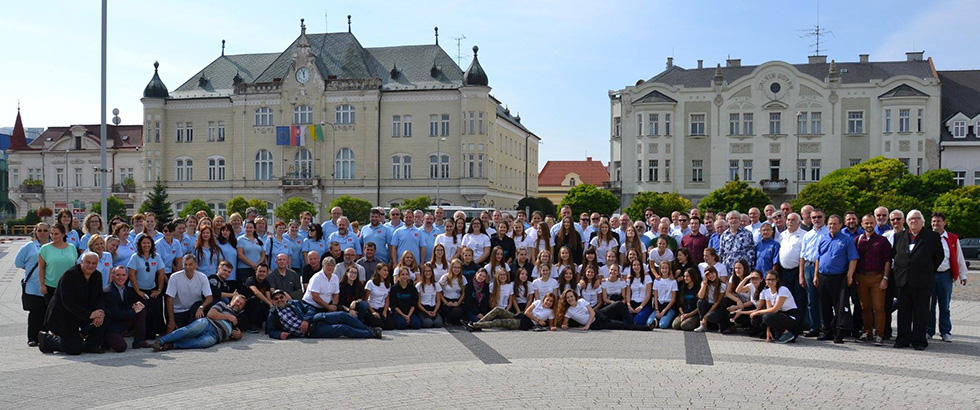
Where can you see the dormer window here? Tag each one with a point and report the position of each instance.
(78, 143)
(959, 129)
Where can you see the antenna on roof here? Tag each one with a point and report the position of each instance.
(816, 32)
(437, 35)
(348, 23)
(323, 40)
(222, 48)
(459, 53)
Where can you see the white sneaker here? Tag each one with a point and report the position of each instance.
(948, 338)
(701, 329)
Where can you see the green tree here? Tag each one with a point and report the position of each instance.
(193, 207)
(157, 203)
(237, 204)
(420, 202)
(589, 198)
(540, 203)
(735, 195)
(961, 206)
(291, 209)
(259, 205)
(355, 209)
(663, 203)
(115, 206)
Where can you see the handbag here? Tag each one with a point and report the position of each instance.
(23, 289)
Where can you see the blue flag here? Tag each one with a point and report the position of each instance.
(282, 136)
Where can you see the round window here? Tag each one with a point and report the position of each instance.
(775, 87)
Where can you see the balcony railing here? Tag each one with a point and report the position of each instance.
(613, 185)
(31, 189)
(123, 189)
(300, 179)
(775, 185)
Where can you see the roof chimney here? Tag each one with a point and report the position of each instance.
(700, 63)
(670, 62)
(914, 55)
(588, 159)
(733, 62)
(817, 60)
(863, 58)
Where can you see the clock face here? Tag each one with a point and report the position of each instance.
(303, 75)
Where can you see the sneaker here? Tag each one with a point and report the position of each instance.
(42, 343)
(728, 330)
(142, 344)
(377, 333)
(701, 329)
(812, 333)
(539, 328)
(826, 336)
(161, 347)
(878, 341)
(838, 340)
(948, 338)
(786, 337)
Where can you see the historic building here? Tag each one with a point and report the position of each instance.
(558, 177)
(397, 122)
(960, 125)
(778, 126)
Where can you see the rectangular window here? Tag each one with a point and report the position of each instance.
(654, 170)
(888, 120)
(801, 122)
(479, 165)
(470, 165)
(918, 121)
(775, 123)
(445, 125)
(60, 180)
(221, 131)
(156, 131)
(733, 124)
(212, 131)
(180, 132)
(344, 114)
(747, 170)
(959, 177)
(396, 126)
(639, 124)
(667, 170)
(854, 162)
(639, 170)
(263, 117)
(433, 125)
(918, 166)
(407, 120)
(904, 120)
(959, 129)
(801, 164)
(78, 177)
(666, 124)
(96, 178)
(189, 137)
(15, 177)
(816, 123)
(732, 169)
(697, 170)
(653, 124)
(617, 126)
(697, 124)
(855, 122)
(976, 176)
(907, 163)
(472, 123)
(774, 169)
(149, 170)
(479, 122)
(748, 126)
(814, 169)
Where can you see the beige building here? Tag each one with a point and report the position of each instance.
(778, 126)
(558, 177)
(398, 122)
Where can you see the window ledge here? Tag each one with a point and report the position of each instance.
(855, 134)
(697, 136)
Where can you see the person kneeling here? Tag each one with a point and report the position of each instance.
(216, 327)
(293, 318)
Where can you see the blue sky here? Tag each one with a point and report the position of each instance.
(551, 61)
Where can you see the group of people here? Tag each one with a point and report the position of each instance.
(198, 281)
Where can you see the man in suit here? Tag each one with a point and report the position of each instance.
(126, 312)
(918, 253)
(77, 307)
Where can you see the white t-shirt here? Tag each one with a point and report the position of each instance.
(604, 271)
(720, 267)
(527, 243)
(783, 291)
(438, 270)
(411, 273)
(325, 287)
(451, 290)
(535, 273)
(520, 295)
(476, 242)
(533, 237)
(185, 291)
(447, 242)
(590, 294)
(665, 289)
(541, 312)
(655, 257)
(505, 292)
(544, 288)
(427, 296)
(602, 246)
(579, 312)
(638, 290)
(379, 293)
(721, 293)
(614, 288)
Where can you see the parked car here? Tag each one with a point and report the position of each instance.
(971, 247)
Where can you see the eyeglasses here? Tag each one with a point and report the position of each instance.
(584, 219)
(896, 219)
(595, 219)
(816, 217)
(43, 230)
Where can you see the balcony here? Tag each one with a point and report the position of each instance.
(123, 189)
(777, 186)
(300, 179)
(31, 189)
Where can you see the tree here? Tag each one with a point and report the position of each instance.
(291, 209)
(421, 203)
(540, 203)
(589, 198)
(237, 204)
(355, 209)
(961, 207)
(156, 202)
(115, 206)
(259, 205)
(193, 207)
(663, 203)
(734, 196)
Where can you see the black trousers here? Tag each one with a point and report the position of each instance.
(778, 322)
(71, 341)
(185, 318)
(452, 314)
(255, 312)
(36, 308)
(241, 276)
(49, 295)
(155, 323)
(890, 295)
(913, 315)
(381, 322)
(721, 316)
(791, 279)
(715, 317)
(829, 291)
(615, 316)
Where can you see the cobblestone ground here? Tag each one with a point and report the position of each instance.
(497, 369)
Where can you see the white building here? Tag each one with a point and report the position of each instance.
(961, 125)
(778, 126)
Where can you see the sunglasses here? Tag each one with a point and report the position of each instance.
(896, 219)
(147, 266)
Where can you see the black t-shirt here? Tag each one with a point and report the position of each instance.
(350, 293)
(308, 272)
(469, 270)
(507, 244)
(515, 269)
(403, 298)
(261, 286)
(218, 287)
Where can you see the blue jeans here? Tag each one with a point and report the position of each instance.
(329, 325)
(812, 298)
(640, 318)
(401, 323)
(199, 334)
(942, 290)
(665, 321)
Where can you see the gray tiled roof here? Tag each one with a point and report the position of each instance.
(415, 67)
(903, 90)
(655, 97)
(221, 73)
(849, 72)
(960, 94)
(338, 54)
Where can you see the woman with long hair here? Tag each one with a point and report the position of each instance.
(539, 315)
(34, 302)
(351, 294)
(544, 266)
(402, 300)
(709, 298)
(429, 299)
(777, 311)
(605, 241)
(591, 258)
(440, 265)
(590, 287)
(614, 288)
(91, 226)
(541, 240)
(408, 264)
(639, 292)
(251, 252)
(660, 253)
(207, 252)
(664, 298)
(687, 313)
(190, 233)
(477, 303)
(502, 291)
(521, 262)
(567, 279)
(147, 278)
(682, 261)
(577, 312)
(565, 259)
(711, 259)
(521, 239)
(476, 238)
(376, 292)
(568, 237)
(450, 240)
(497, 259)
(66, 218)
(733, 301)
(228, 244)
(453, 285)
(277, 242)
(631, 242)
(522, 290)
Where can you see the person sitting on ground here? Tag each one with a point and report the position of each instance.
(221, 289)
(453, 285)
(188, 294)
(403, 300)
(286, 279)
(709, 297)
(294, 318)
(258, 292)
(429, 301)
(311, 267)
(777, 311)
(477, 301)
(539, 315)
(376, 293)
(687, 313)
(125, 311)
(218, 326)
(576, 312)
(77, 308)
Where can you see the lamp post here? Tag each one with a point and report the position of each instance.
(798, 176)
(439, 173)
(333, 150)
(103, 128)
(66, 180)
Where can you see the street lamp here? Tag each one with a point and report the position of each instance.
(798, 176)
(439, 173)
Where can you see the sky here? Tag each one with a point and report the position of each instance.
(553, 62)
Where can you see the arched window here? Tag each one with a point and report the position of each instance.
(263, 116)
(185, 168)
(263, 165)
(216, 168)
(303, 114)
(345, 114)
(303, 163)
(344, 165)
(438, 169)
(219, 208)
(401, 166)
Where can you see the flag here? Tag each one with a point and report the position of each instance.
(282, 136)
(311, 131)
(296, 139)
(319, 133)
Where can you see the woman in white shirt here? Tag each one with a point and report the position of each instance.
(614, 288)
(450, 240)
(543, 264)
(453, 285)
(544, 285)
(660, 253)
(539, 315)
(542, 240)
(590, 287)
(522, 240)
(376, 292)
(502, 291)
(709, 297)
(605, 241)
(576, 312)
(590, 258)
(522, 289)
(440, 265)
(638, 292)
(777, 311)
(429, 297)
(409, 264)
(664, 297)
(496, 259)
(631, 242)
(711, 259)
(478, 240)
(752, 286)
(567, 279)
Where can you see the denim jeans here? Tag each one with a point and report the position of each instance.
(197, 335)
(812, 298)
(665, 321)
(329, 325)
(942, 290)
(401, 323)
(640, 318)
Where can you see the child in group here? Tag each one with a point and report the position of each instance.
(665, 298)
(429, 299)
(544, 285)
(640, 290)
(568, 279)
(687, 311)
(502, 291)
(614, 288)
(522, 290)
(590, 287)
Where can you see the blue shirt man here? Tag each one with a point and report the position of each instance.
(837, 251)
(767, 249)
(379, 234)
(407, 238)
(345, 237)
